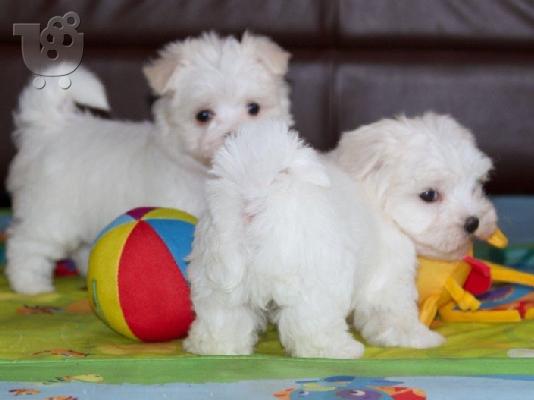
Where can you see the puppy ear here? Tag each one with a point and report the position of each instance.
(309, 168)
(159, 71)
(267, 52)
(362, 152)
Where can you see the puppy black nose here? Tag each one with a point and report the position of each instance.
(471, 224)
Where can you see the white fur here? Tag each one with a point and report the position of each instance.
(291, 235)
(397, 159)
(74, 172)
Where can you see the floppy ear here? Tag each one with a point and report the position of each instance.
(309, 168)
(361, 152)
(267, 52)
(159, 71)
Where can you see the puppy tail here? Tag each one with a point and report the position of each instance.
(263, 151)
(243, 173)
(47, 106)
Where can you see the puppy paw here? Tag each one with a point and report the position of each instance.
(411, 334)
(349, 350)
(200, 341)
(427, 339)
(27, 273)
(339, 348)
(214, 347)
(30, 284)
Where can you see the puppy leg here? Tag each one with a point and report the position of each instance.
(220, 329)
(30, 261)
(317, 330)
(386, 312)
(225, 323)
(81, 258)
(393, 324)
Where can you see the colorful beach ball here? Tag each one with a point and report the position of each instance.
(137, 276)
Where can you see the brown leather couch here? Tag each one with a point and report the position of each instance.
(354, 61)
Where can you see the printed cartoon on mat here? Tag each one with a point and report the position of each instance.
(350, 387)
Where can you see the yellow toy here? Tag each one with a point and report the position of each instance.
(442, 288)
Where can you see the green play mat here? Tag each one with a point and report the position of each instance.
(46, 337)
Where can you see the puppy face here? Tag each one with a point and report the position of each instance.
(210, 85)
(427, 175)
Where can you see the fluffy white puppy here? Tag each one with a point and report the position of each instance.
(289, 233)
(427, 176)
(74, 172)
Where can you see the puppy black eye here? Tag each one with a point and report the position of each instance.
(204, 116)
(253, 109)
(429, 196)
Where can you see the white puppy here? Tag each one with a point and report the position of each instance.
(427, 176)
(74, 172)
(289, 233)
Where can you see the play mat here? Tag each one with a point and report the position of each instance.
(53, 347)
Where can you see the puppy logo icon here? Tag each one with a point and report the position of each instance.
(58, 42)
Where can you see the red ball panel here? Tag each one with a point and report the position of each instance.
(153, 293)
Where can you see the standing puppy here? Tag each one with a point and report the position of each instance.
(74, 172)
(318, 238)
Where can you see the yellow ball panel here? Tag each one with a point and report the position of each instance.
(169, 213)
(103, 275)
